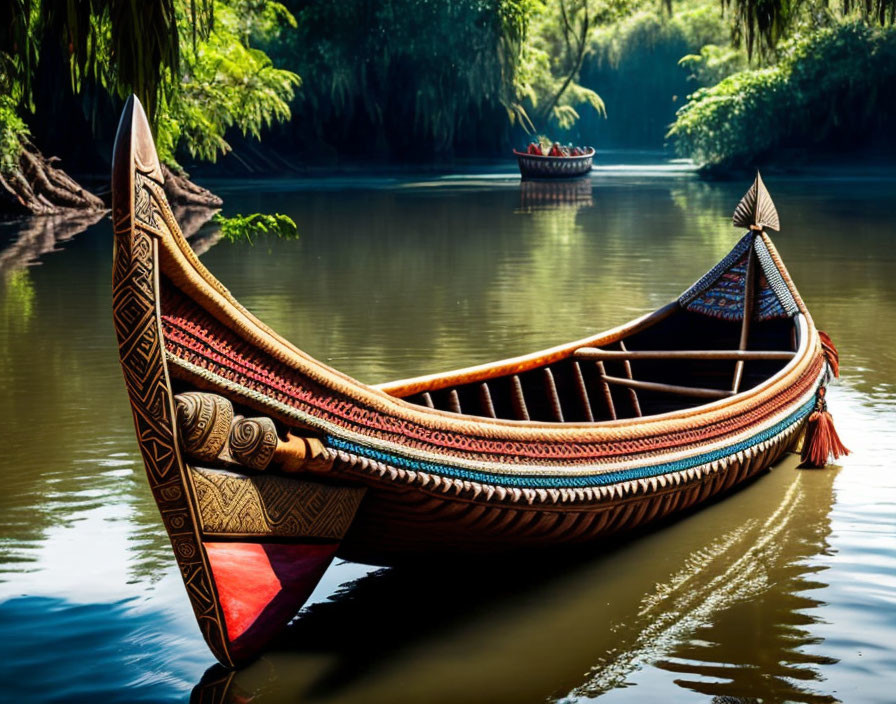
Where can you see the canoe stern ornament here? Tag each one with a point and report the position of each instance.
(756, 210)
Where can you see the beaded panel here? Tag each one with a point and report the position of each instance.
(720, 294)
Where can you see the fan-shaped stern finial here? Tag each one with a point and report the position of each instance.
(756, 209)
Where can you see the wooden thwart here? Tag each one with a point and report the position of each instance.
(599, 354)
(696, 391)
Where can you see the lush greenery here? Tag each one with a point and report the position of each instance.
(827, 91)
(192, 64)
(251, 227)
(12, 132)
(417, 80)
(636, 64)
(226, 82)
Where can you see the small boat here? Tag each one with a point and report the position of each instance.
(538, 166)
(266, 463)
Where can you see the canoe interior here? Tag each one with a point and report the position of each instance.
(683, 330)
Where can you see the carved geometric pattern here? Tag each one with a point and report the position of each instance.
(136, 321)
(267, 505)
(204, 421)
(253, 441)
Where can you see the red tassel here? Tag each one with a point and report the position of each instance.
(830, 353)
(821, 440)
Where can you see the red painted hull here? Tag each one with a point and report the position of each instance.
(262, 586)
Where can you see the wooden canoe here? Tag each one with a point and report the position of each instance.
(539, 166)
(266, 463)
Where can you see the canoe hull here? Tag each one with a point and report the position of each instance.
(394, 527)
(391, 480)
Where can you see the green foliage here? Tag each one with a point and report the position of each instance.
(190, 62)
(713, 63)
(251, 227)
(560, 35)
(225, 82)
(12, 132)
(828, 90)
(635, 63)
(761, 24)
(405, 72)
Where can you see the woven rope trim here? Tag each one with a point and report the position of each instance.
(628, 449)
(638, 485)
(566, 479)
(369, 444)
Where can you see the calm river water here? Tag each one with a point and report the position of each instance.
(785, 591)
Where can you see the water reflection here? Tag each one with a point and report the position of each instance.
(390, 282)
(524, 632)
(38, 236)
(197, 228)
(536, 195)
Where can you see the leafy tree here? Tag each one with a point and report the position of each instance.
(190, 62)
(552, 59)
(761, 24)
(226, 82)
(824, 92)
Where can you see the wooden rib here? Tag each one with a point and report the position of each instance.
(595, 353)
(427, 400)
(434, 382)
(453, 401)
(518, 399)
(748, 313)
(608, 396)
(583, 392)
(695, 391)
(485, 398)
(636, 407)
(657, 507)
(600, 520)
(553, 398)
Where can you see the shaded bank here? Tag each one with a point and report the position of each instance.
(825, 98)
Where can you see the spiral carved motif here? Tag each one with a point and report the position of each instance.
(204, 421)
(253, 441)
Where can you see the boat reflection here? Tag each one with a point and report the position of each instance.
(527, 631)
(540, 195)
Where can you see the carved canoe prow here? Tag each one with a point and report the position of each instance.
(265, 463)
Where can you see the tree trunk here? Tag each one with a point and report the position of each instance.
(182, 191)
(37, 187)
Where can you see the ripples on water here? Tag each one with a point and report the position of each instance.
(782, 592)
